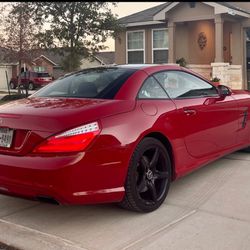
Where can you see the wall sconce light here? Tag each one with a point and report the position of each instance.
(202, 40)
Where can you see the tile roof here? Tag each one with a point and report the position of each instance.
(229, 5)
(148, 14)
(145, 15)
(107, 57)
(51, 54)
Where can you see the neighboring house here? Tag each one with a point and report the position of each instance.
(210, 36)
(49, 61)
(5, 74)
(100, 58)
(6, 68)
(106, 57)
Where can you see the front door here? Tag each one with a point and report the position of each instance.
(208, 123)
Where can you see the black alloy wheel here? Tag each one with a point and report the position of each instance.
(149, 177)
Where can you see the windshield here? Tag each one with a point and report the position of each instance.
(101, 83)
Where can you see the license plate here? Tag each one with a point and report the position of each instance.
(6, 136)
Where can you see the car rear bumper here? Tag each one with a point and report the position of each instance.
(70, 179)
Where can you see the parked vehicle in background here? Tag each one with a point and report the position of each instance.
(32, 80)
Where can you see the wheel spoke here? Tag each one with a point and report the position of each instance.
(142, 187)
(145, 163)
(161, 174)
(155, 159)
(152, 190)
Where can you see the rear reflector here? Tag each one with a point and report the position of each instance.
(73, 140)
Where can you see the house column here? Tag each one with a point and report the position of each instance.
(218, 39)
(171, 42)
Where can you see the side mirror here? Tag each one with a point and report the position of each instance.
(224, 90)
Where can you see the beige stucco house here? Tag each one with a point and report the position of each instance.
(211, 36)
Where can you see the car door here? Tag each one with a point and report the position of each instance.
(208, 123)
(153, 101)
(243, 101)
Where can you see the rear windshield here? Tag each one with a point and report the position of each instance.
(100, 83)
(42, 74)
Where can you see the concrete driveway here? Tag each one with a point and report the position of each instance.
(208, 209)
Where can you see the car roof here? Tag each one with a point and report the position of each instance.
(144, 67)
(148, 65)
(152, 68)
(134, 66)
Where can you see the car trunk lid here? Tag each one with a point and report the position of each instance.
(34, 119)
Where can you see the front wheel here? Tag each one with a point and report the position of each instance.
(149, 176)
(245, 150)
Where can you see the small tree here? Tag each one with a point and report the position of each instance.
(20, 30)
(2, 9)
(77, 28)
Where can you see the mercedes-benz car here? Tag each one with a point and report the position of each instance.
(118, 134)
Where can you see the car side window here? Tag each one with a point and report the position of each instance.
(151, 89)
(180, 84)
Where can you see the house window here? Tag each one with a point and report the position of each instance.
(160, 45)
(135, 46)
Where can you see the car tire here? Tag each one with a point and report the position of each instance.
(12, 85)
(31, 86)
(149, 176)
(247, 150)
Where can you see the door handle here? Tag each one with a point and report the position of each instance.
(190, 112)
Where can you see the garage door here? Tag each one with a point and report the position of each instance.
(3, 82)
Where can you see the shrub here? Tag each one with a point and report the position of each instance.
(215, 79)
(182, 62)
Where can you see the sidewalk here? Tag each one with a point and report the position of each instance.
(208, 209)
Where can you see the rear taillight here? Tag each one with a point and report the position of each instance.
(73, 140)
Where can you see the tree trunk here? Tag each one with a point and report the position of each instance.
(72, 56)
(19, 78)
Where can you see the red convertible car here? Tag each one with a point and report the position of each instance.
(118, 134)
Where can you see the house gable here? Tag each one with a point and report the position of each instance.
(143, 16)
(183, 12)
(216, 8)
(42, 58)
(160, 13)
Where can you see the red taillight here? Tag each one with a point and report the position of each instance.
(73, 140)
